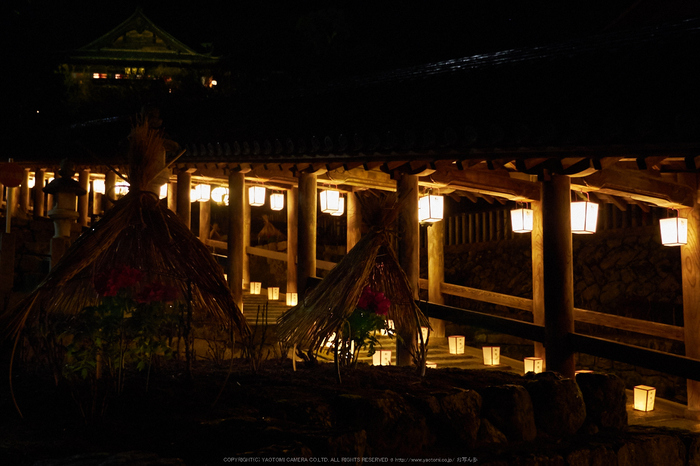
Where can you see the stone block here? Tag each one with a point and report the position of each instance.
(601, 456)
(455, 415)
(510, 409)
(652, 450)
(605, 399)
(558, 404)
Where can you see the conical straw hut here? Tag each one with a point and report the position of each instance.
(371, 262)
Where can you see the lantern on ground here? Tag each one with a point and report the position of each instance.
(256, 195)
(425, 332)
(276, 201)
(273, 293)
(430, 365)
(255, 287)
(341, 207)
(381, 358)
(644, 398)
(533, 365)
(456, 344)
(492, 355)
(521, 220)
(674, 231)
(330, 201)
(584, 217)
(431, 208)
(292, 299)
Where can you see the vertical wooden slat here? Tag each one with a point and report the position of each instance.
(306, 229)
(292, 240)
(436, 272)
(236, 234)
(409, 254)
(184, 206)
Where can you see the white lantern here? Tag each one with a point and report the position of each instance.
(256, 195)
(674, 231)
(456, 344)
(255, 287)
(276, 201)
(381, 358)
(584, 217)
(98, 185)
(163, 191)
(273, 293)
(425, 331)
(430, 208)
(292, 299)
(120, 189)
(492, 355)
(521, 220)
(341, 207)
(533, 365)
(430, 365)
(218, 193)
(644, 396)
(330, 201)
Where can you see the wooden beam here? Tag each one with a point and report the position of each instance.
(489, 183)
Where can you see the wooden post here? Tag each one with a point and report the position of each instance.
(292, 240)
(306, 228)
(24, 192)
(84, 201)
(354, 223)
(436, 272)
(236, 243)
(184, 186)
(7, 267)
(110, 181)
(690, 260)
(172, 196)
(204, 220)
(537, 274)
(39, 175)
(409, 254)
(558, 273)
(246, 237)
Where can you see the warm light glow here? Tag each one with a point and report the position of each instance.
(273, 293)
(674, 231)
(31, 182)
(120, 189)
(200, 193)
(256, 195)
(431, 208)
(456, 344)
(341, 208)
(164, 191)
(584, 217)
(390, 329)
(430, 365)
(276, 201)
(492, 355)
(382, 358)
(330, 201)
(425, 332)
(98, 185)
(292, 299)
(255, 287)
(522, 220)
(644, 398)
(533, 365)
(583, 371)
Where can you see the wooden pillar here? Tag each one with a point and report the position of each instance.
(184, 186)
(172, 196)
(110, 181)
(292, 240)
(354, 223)
(537, 273)
(558, 274)
(84, 201)
(204, 220)
(409, 254)
(306, 229)
(246, 237)
(39, 207)
(690, 260)
(24, 192)
(236, 243)
(7, 266)
(436, 272)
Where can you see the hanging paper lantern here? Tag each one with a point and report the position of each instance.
(584, 217)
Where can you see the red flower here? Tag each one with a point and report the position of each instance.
(157, 292)
(109, 284)
(374, 301)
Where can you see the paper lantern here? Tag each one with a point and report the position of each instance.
(521, 220)
(382, 358)
(341, 208)
(431, 208)
(276, 201)
(218, 194)
(163, 191)
(292, 299)
(330, 201)
(255, 287)
(202, 193)
(456, 344)
(430, 365)
(674, 231)
(584, 217)
(120, 189)
(273, 293)
(583, 371)
(98, 185)
(256, 195)
(492, 355)
(533, 365)
(644, 398)
(424, 333)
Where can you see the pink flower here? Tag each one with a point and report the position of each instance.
(374, 301)
(109, 284)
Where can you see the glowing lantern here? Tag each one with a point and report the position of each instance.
(674, 231)
(389, 328)
(276, 201)
(456, 344)
(200, 193)
(218, 194)
(330, 201)
(644, 398)
(521, 220)
(256, 195)
(430, 208)
(341, 208)
(424, 333)
(255, 287)
(163, 191)
(273, 293)
(98, 186)
(382, 358)
(292, 299)
(533, 365)
(584, 217)
(492, 355)
(430, 365)
(120, 189)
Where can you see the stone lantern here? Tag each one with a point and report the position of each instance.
(65, 191)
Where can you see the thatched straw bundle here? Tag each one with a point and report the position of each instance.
(372, 262)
